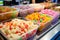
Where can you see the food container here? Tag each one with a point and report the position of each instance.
(24, 10)
(7, 13)
(42, 19)
(24, 36)
(48, 5)
(37, 7)
(44, 25)
(57, 8)
(53, 14)
(31, 38)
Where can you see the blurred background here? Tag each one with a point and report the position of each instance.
(16, 2)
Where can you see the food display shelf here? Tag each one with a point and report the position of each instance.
(45, 31)
(34, 34)
(41, 34)
(23, 36)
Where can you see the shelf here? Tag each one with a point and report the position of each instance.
(46, 30)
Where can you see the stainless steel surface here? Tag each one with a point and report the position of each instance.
(50, 34)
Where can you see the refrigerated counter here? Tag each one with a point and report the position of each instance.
(51, 33)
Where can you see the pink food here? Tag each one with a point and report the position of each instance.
(49, 12)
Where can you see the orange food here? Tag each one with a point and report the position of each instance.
(41, 19)
(4, 9)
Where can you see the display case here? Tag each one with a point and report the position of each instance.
(52, 13)
(42, 19)
(7, 13)
(24, 10)
(11, 35)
